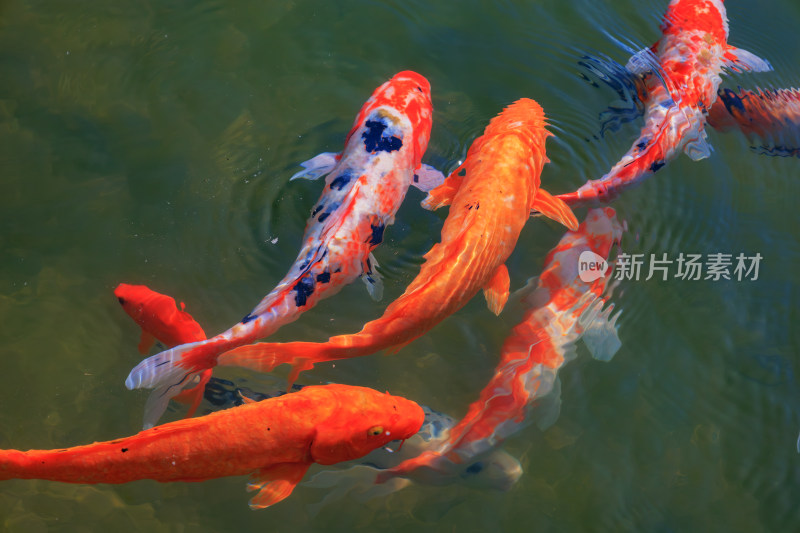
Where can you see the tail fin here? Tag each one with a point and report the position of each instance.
(166, 372)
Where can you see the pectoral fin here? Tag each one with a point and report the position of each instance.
(642, 62)
(496, 291)
(317, 166)
(426, 178)
(443, 194)
(739, 60)
(146, 341)
(555, 208)
(274, 483)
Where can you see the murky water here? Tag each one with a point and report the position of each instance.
(151, 142)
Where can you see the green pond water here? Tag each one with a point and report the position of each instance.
(152, 142)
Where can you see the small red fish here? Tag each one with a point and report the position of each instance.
(681, 77)
(491, 196)
(275, 441)
(160, 318)
(563, 309)
(364, 188)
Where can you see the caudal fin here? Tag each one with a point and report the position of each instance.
(168, 372)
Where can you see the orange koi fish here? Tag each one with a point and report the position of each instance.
(275, 441)
(491, 196)
(160, 319)
(770, 114)
(681, 77)
(563, 309)
(365, 186)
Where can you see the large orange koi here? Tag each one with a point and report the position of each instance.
(365, 186)
(275, 441)
(490, 196)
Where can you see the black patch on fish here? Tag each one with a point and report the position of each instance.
(162, 363)
(340, 181)
(124, 450)
(325, 277)
(462, 172)
(416, 180)
(656, 165)
(303, 289)
(122, 300)
(642, 145)
(474, 468)
(374, 141)
(419, 88)
(249, 318)
(317, 209)
(333, 206)
(731, 101)
(377, 234)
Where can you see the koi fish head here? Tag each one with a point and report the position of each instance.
(704, 15)
(134, 299)
(400, 104)
(364, 420)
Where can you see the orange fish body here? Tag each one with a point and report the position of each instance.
(681, 75)
(275, 441)
(490, 196)
(159, 317)
(563, 306)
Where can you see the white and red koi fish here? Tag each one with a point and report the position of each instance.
(563, 309)
(365, 186)
(682, 75)
(773, 115)
(491, 196)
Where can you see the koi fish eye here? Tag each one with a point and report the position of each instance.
(374, 431)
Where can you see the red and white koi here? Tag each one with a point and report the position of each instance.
(681, 77)
(365, 186)
(563, 309)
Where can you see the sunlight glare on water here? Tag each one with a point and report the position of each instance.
(152, 142)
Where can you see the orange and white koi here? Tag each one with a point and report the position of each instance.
(365, 186)
(491, 196)
(275, 441)
(681, 77)
(773, 115)
(563, 309)
(159, 317)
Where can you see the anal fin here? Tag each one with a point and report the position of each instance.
(555, 208)
(497, 289)
(275, 483)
